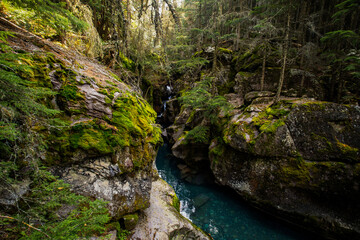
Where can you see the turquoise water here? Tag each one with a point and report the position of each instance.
(221, 213)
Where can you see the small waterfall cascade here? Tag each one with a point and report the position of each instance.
(168, 96)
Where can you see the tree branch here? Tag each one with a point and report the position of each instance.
(11, 218)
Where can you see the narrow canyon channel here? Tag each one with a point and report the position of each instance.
(219, 212)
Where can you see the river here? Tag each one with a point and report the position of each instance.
(222, 213)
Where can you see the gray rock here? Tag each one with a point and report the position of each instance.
(95, 102)
(306, 167)
(11, 194)
(235, 100)
(100, 179)
(249, 97)
(161, 220)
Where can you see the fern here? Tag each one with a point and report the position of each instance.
(88, 218)
(199, 134)
(200, 98)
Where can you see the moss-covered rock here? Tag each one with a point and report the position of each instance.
(296, 158)
(130, 221)
(326, 131)
(101, 136)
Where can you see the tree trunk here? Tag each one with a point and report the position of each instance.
(215, 61)
(157, 22)
(263, 72)
(286, 47)
(173, 12)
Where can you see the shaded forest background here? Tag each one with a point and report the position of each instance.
(307, 40)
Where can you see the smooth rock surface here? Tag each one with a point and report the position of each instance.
(161, 221)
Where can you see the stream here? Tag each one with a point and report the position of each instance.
(222, 213)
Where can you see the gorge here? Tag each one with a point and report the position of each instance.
(166, 119)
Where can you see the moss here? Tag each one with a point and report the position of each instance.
(112, 83)
(271, 127)
(246, 75)
(217, 151)
(132, 125)
(176, 203)
(328, 145)
(127, 63)
(313, 106)
(249, 61)
(108, 100)
(130, 221)
(296, 173)
(198, 53)
(277, 112)
(69, 92)
(347, 150)
(133, 115)
(272, 117)
(191, 117)
(225, 50)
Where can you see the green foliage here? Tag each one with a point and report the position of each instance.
(127, 63)
(20, 99)
(3, 40)
(190, 64)
(200, 97)
(48, 195)
(199, 134)
(346, 7)
(38, 15)
(338, 36)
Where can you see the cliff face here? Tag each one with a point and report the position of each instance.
(100, 138)
(298, 159)
(107, 141)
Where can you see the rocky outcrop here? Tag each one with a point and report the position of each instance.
(301, 159)
(102, 179)
(162, 219)
(298, 159)
(104, 139)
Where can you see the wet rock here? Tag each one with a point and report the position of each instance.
(193, 154)
(242, 83)
(181, 166)
(171, 111)
(174, 132)
(183, 116)
(326, 131)
(182, 234)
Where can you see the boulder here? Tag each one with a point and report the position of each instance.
(162, 219)
(171, 111)
(101, 179)
(130, 221)
(297, 159)
(235, 100)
